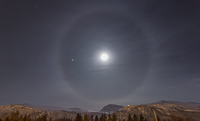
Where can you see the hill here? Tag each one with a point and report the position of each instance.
(164, 109)
(39, 111)
(110, 108)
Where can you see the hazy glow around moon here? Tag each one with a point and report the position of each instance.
(104, 57)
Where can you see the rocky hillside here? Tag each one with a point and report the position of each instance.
(111, 108)
(164, 109)
(38, 111)
(34, 112)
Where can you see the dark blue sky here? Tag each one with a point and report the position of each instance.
(153, 49)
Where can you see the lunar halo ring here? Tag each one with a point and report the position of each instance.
(65, 32)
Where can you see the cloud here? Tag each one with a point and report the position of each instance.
(193, 84)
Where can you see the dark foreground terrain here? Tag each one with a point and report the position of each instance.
(162, 110)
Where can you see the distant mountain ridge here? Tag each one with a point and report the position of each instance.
(176, 102)
(111, 108)
(44, 107)
(77, 110)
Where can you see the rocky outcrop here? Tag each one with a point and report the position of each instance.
(164, 109)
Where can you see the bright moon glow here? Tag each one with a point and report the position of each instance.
(104, 57)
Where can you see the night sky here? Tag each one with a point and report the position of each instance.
(50, 52)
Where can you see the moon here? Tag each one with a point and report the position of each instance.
(104, 57)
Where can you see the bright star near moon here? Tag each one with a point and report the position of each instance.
(104, 57)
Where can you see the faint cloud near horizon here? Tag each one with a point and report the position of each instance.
(193, 84)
